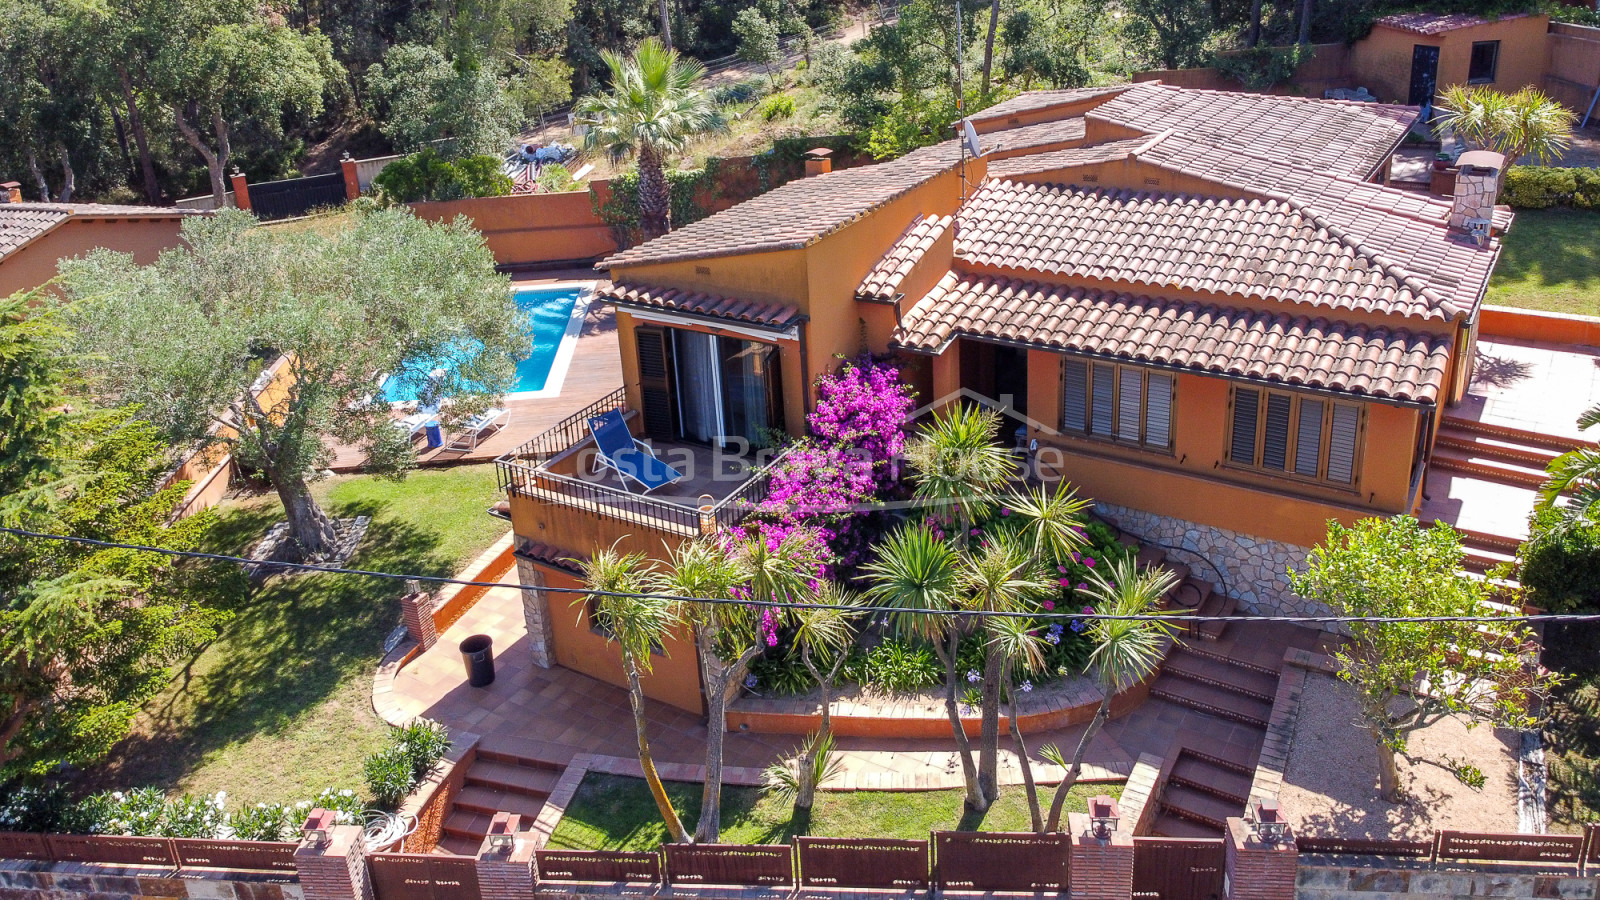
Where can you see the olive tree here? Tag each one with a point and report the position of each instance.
(188, 337)
(1409, 674)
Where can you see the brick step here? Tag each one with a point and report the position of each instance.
(1489, 468)
(512, 778)
(1199, 806)
(1207, 777)
(1216, 605)
(467, 825)
(525, 751)
(1480, 559)
(1190, 594)
(459, 846)
(1219, 656)
(1185, 664)
(1484, 445)
(1222, 754)
(1169, 825)
(476, 799)
(1214, 700)
(1506, 433)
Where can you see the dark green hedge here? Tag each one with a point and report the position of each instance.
(1540, 187)
(1561, 563)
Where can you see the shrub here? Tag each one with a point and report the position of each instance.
(194, 817)
(1538, 187)
(26, 807)
(896, 666)
(778, 106)
(135, 812)
(389, 776)
(739, 92)
(1561, 563)
(424, 743)
(779, 672)
(426, 175)
(1587, 195)
(342, 802)
(1262, 67)
(265, 822)
(555, 178)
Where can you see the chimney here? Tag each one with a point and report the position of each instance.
(10, 192)
(819, 161)
(1472, 205)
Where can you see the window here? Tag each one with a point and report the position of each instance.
(1307, 437)
(1125, 404)
(1485, 59)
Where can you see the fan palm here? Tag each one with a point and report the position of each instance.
(823, 634)
(1014, 638)
(1126, 651)
(653, 107)
(1576, 473)
(636, 622)
(917, 570)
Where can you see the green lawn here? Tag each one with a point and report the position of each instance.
(1551, 262)
(613, 812)
(280, 707)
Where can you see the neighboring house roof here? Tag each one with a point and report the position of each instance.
(795, 214)
(883, 282)
(771, 316)
(21, 223)
(1401, 228)
(1331, 136)
(1014, 139)
(1438, 23)
(1275, 348)
(1260, 249)
(1069, 158)
(1033, 101)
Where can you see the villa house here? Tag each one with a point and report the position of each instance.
(1204, 309)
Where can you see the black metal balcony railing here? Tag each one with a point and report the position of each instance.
(523, 471)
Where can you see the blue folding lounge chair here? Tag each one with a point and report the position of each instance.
(630, 457)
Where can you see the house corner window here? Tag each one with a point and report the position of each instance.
(1122, 404)
(1485, 59)
(1290, 434)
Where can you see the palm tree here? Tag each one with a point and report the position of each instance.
(1576, 473)
(958, 464)
(652, 109)
(1014, 638)
(636, 621)
(1515, 125)
(916, 569)
(1126, 651)
(823, 633)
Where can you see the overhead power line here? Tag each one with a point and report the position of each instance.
(899, 610)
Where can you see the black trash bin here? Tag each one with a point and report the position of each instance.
(477, 652)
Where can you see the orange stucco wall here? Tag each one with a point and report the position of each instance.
(36, 263)
(530, 228)
(1381, 62)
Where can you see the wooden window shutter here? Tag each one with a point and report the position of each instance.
(1308, 439)
(1246, 408)
(1342, 443)
(655, 381)
(1105, 391)
(1075, 396)
(1275, 443)
(1130, 397)
(1158, 411)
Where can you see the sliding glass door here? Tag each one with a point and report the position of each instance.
(728, 388)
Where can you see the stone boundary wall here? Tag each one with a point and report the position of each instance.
(1351, 882)
(84, 881)
(1256, 570)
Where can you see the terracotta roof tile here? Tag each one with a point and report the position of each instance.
(773, 316)
(1262, 249)
(1331, 136)
(1072, 157)
(795, 214)
(1033, 101)
(1012, 140)
(883, 282)
(22, 222)
(1295, 351)
(1439, 23)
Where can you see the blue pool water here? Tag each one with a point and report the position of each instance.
(549, 310)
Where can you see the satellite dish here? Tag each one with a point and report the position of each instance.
(970, 135)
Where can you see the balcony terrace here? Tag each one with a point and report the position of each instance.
(553, 477)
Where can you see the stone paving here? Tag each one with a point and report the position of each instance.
(559, 706)
(1535, 387)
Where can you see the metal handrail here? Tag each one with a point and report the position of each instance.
(565, 434)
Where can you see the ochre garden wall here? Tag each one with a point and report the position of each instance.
(530, 228)
(1531, 325)
(1329, 67)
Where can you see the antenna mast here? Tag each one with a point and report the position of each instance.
(961, 104)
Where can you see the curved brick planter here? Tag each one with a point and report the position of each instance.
(922, 717)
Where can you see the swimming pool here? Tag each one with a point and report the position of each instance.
(556, 316)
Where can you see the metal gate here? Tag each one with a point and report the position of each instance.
(296, 196)
(1177, 868)
(423, 876)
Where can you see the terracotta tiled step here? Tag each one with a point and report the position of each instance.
(1191, 592)
(1489, 468)
(469, 825)
(1199, 806)
(1477, 444)
(1209, 778)
(1480, 559)
(1511, 435)
(1211, 652)
(1216, 605)
(1169, 825)
(1185, 664)
(476, 799)
(1214, 700)
(459, 846)
(511, 778)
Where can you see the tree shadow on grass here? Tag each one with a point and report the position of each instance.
(289, 648)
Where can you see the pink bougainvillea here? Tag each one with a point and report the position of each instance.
(864, 407)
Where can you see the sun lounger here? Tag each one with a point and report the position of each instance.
(473, 429)
(630, 458)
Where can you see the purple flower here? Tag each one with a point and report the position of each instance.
(973, 677)
(1065, 582)
(1048, 604)
(1088, 561)
(750, 681)
(975, 532)
(1077, 625)
(1082, 586)
(1061, 569)
(1004, 511)
(1026, 686)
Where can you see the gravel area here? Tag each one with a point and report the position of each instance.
(1331, 786)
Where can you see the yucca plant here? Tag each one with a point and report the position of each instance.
(653, 107)
(1525, 123)
(1014, 639)
(823, 634)
(636, 621)
(814, 765)
(957, 464)
(1126, 651)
